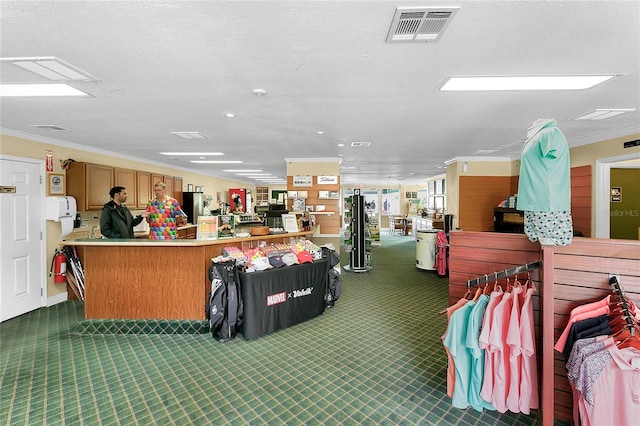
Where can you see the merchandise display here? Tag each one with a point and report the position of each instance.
(359, 242)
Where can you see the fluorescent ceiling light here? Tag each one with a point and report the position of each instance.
(239, 170)
(190, 135)
(216, 161)
(557, 82)
(52, 68)
(47, 89)
(191, 153)
(254, 174)
(601, 114)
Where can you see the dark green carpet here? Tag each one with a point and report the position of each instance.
(375, 358)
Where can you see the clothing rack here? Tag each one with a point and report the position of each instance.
(617, 289)
(503, 274)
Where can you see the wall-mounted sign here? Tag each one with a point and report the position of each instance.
(302, 180)
(327, 180)
(616, 194)
(55, 184)
(49, 161)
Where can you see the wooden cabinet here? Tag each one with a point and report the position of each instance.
(187, 233)
(127, 178)
(145, 189)
(177, 189)
(174, 185)
(169, 180)
(89, 184)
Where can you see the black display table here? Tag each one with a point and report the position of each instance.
(279, 298)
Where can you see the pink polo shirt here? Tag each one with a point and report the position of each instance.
(579, 313)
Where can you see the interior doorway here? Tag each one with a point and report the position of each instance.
(22, 239)
(603, 190)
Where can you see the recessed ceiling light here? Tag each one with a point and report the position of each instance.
(46, 89)
(216, 161)
(259, 92)
(360, 144)
(552, 82)
(320, 132)
(603, 113)
(340, 144)
(240, 170)
(191, 153)
(230, 115)
(190, 135)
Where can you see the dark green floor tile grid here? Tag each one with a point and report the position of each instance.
(140, 326)
(375, 358)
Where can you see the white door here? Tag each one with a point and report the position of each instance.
(22, 277)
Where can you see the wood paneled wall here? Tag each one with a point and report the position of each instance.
(478, 195)
(572, 275)
(329, 224)
(580, 274)
(581, 199)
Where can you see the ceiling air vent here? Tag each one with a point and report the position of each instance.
(360, 144)
(411, 24)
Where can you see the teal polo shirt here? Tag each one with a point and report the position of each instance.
(545, 171)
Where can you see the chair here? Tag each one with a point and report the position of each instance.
(398, 223)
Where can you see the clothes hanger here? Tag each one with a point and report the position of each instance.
(477, 295)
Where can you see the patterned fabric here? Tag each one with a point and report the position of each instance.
(556, 226)
(590, 371)
(162, 218)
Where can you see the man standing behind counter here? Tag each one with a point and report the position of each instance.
(116, 220)
(163, 213)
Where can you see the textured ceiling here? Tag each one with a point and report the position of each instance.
(179, 66)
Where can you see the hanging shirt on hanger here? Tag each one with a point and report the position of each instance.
(477, 355)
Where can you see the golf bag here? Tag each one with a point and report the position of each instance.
(334, 282)
(224, 307)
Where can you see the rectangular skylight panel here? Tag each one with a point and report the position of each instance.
(192, 153)
(497, 83)
(601, 114)
(216, 161)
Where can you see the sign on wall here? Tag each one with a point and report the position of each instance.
(302, 180)
(327, 180)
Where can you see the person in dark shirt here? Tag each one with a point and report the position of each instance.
(116, 220)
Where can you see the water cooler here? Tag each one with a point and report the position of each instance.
(426, 248)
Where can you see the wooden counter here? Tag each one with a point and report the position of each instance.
(152, 279)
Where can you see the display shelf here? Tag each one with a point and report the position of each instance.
(358, 242)
(508, 220)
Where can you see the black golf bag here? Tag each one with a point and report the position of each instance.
(224, 307)
(334, 282)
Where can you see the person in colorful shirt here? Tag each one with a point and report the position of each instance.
(163, 212)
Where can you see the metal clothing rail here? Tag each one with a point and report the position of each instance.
(503, 274)
(628, 317)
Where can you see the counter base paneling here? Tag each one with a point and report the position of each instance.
(152, 279)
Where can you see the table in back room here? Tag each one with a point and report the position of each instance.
(278, 298)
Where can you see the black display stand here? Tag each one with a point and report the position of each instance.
(508, 220)
(359, 241)
(278, 298)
